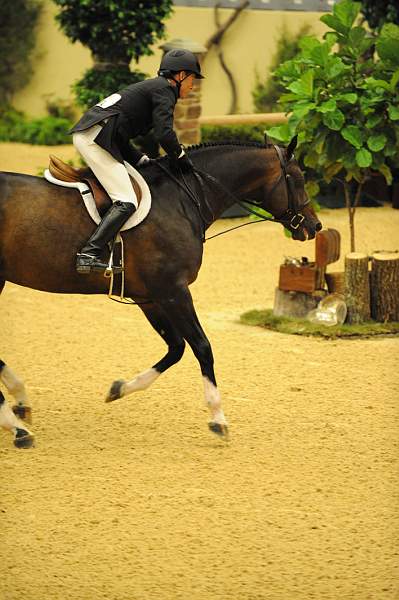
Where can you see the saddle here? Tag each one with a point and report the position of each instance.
(64, 172)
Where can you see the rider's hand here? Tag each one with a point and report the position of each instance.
(143, 160)
(182, 164)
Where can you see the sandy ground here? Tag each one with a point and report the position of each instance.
(138, 501)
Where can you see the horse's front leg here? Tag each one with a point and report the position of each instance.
(15, 386)
(158, 319)
(23, 438)
(181, 312)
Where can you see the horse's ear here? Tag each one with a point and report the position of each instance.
(291, 147)
(266, 138)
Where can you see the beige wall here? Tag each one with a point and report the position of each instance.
(248, 45)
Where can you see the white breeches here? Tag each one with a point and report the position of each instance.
(112, 175)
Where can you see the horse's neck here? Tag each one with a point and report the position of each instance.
(240, 170)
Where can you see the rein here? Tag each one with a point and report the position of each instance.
(291, 218)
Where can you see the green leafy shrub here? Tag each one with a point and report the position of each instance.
(48, 131)
(234, 133)
(379, 12)
(267, 92)
(343, 101)
(95, 85)
(115, 32)
(18, 21)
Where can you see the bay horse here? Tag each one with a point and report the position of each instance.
(43, 226)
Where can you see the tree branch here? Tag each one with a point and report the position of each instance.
(217, 36)
(215, 40)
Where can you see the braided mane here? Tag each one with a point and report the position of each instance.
(249, 144)
(203, 146)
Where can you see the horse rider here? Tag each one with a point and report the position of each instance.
(102, 138)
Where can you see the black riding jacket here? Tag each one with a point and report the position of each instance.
(134, 111)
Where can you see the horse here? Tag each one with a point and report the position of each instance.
(23, 438)
(43, 226)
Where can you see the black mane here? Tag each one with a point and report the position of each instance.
(250, 144)
(204, 145)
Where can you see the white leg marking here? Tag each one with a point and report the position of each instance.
(141, 382)
(7, 418)
(14, 385)
(212, 398)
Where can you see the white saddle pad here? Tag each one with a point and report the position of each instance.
(137, 217)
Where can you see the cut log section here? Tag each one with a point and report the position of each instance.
(385, 286)
(357, 288)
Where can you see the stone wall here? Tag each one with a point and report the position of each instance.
(187, 113)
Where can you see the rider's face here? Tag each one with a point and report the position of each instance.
(186, 83)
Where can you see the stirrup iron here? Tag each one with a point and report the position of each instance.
(111, 268)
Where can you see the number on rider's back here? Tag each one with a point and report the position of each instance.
(109, 101)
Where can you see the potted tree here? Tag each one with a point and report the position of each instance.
(342, 96)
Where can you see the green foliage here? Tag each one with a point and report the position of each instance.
(379, 12)
(96, 84)
(266, 319)
(114, 30)
(267, 92)
(18, 20)
(343, 99)
(48, 131)
(232, 133)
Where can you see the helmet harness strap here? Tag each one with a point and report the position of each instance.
(178, 83)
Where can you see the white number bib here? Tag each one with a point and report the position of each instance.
(110, 101)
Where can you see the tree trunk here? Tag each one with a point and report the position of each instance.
(357, 288)
(385, 286)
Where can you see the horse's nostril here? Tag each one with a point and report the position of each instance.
(318, 226)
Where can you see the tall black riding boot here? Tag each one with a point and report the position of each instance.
(89, 258)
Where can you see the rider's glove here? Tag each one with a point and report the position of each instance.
(181, 164)
(143, 160)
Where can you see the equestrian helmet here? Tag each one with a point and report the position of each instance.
(179, 60)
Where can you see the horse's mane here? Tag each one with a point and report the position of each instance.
(205, 145)
(250, 144)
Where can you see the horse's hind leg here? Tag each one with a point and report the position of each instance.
(175, 343)
(182, 313)
(16, 387)
(23, 438)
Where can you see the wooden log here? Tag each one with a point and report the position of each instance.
(357, 288)
(385, 286)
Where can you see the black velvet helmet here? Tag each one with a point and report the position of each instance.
(179, 60)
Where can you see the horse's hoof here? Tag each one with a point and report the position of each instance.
(115, 391)
(23, 438)
(23, 412)
(220, 429)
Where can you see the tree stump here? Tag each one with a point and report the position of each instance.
(385, 286)
(357, 288)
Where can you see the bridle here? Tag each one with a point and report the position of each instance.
(291, 218)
